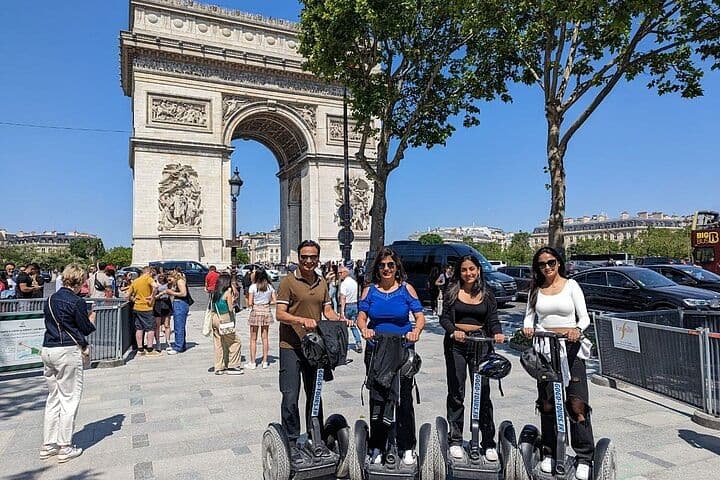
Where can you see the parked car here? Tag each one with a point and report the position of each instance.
(497, 264)
(134, 272)
(628, 289)
(273, 274)
(575, 266)
(689, 275)
(194, 271)
(418, 260)
(46, 276)
(655, 261)
(522, 274)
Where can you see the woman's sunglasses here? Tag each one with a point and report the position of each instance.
(548, 264)
(384, 265)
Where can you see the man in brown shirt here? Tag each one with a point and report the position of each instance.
(302, 299)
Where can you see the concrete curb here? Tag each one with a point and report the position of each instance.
(705, 420)
(607, 382)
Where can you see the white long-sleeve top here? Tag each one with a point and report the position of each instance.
(565, 309)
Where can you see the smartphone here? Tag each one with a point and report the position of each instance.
(89, 306)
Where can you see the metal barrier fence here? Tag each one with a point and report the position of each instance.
(674, 353)
(113, 322)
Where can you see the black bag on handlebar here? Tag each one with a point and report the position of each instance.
(537, 366)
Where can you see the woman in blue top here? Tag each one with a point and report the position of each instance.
(384, 308)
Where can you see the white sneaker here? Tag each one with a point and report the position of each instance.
(582, 472)
(168, 348)
(68, 453)
(376, 457)
(457, 451)
(171, 352)
(48, 451)
(491, 455)
(250, 366)
(547, 464)
(409, 457)
(264, 365)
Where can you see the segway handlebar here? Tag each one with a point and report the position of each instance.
(469, 338)
(546, 334)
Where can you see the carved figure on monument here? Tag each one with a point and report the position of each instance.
(233, 103)
(179, 199)
(183, 113)
(359, 202)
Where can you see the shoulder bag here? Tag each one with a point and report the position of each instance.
(85, 351)
(207, 321)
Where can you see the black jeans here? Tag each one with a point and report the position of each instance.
(576, 403)
(293, 365)
(457, 363)
(404, 417)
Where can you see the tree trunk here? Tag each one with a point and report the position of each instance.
(556, 168)
(378, 211)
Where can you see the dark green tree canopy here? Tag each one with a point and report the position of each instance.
(430, 239)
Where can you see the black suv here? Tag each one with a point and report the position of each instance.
(418, 260)
(523, 278)
(689, 275)
(630, 289)
(194, 272)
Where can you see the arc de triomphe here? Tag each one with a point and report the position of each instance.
(201, 76)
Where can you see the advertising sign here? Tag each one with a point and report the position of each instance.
(626, 335)
(21, 338)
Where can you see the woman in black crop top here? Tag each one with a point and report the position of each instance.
(469, 308)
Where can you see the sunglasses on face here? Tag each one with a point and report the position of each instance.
(548, 264)
(384, 265)
(309, 258)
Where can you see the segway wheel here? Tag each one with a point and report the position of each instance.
(337, 438)
(357, 451)
(428, 453)
(509, 453)
(527, 450)
(276, 453)
(604, 463)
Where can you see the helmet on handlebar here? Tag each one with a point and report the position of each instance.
(494, 366)
(411, 365)
(537, 366)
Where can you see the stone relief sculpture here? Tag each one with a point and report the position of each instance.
(359, 202)
(167, 110)
(335, 131)
(308, 114)
(233, 103)
(179, 199)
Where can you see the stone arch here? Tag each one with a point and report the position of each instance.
(279, 127)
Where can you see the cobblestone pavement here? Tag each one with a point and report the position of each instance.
(170, 418)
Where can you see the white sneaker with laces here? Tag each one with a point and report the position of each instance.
(250, 366)
(547, 464)
(491, 455)
(264, 365)
(68, 453)
(409, 457)
(376, 457)
(457, 451)
(48, 451)
(582, 472)
(171, 352)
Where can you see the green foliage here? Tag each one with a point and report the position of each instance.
(24, 254)
(663, 242)
(118, 256)
(519, 251)
(406, 68)
(87, 248)
(519, 339)
(490, 250)
(242, 257)
(595, 245)
(430, 239)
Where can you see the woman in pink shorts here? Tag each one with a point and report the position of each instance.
(261, 295)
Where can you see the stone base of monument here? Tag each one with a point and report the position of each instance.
(180, 244)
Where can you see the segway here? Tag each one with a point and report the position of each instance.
(530, 445)
(312, 457)
(362, 466)
(473, 465)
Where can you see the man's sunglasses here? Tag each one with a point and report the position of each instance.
(548, 264)
(384, 265)
(309, 258)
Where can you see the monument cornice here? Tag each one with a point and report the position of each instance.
(140, 144)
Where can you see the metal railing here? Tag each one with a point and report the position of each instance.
(673, 353)
(113, 333)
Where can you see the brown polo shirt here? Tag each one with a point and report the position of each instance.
(303, 300)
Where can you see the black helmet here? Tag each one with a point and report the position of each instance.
(537, 366)
(495, 366)
(411, 365)
(313, 347)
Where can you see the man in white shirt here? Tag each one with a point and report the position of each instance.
(349, 304)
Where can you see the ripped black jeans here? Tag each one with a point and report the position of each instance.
(577, 406)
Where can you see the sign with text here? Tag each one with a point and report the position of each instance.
(626, 335)
(21, 338)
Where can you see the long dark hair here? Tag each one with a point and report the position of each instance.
(399, 270)
(451, 293)
(223, 283)
(261, 280)
(538, 279)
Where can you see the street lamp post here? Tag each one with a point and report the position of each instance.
(346, 235)
(235, 184)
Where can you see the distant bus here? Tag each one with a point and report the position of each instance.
(604, 258)
(705, 240)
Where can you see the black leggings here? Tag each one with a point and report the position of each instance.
(577, 406)
(457, 366)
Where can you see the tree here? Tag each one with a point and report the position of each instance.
(405, 66)
(489, 250)
(18, 254)
(595, 245)
(519, 251)
(242, 257)
(87, 248)
(664, 242)
(118, 256)
(576, 53)
(430, 239)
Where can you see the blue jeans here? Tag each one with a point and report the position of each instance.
(351, 313)
(180, 313)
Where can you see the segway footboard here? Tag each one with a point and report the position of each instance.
(306, 465)
(395, 471)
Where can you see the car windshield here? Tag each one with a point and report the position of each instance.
(486, 267)
(701, 274)
(649, 278)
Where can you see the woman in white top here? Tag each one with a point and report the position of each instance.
(557, 304)
(261, 295)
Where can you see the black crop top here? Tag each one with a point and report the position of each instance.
(470, 314)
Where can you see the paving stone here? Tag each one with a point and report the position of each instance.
(144, 471)
(657, 461)
(205, 393)
(135, 388)
(139, 441)
(241, 450)
(136, 401)
(216, 410)
(137, 418)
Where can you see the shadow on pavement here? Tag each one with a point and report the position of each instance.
(13, 405)
(93, 433)
(711, 443)
(33, 474)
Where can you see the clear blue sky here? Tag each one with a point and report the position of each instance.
(60, 67)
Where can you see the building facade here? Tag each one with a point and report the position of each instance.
(45, 242)
(600, 226)
(477, 234)
(263, 247)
